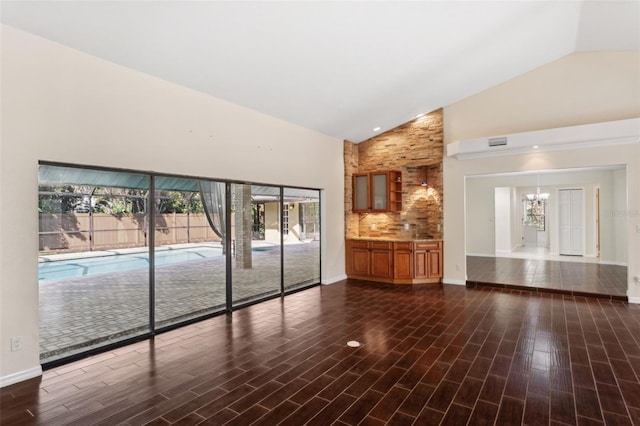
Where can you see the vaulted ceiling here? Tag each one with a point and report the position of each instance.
(341, 68)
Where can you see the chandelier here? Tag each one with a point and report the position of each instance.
(538, 196)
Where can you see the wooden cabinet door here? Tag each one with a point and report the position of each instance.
(435, 263)
(420, 264)
(381, 263)
(359, 261)
(403, 264)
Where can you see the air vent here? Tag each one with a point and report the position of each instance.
(497, 141)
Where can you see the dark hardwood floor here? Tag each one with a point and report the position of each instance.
(431, 354)
(574, 278)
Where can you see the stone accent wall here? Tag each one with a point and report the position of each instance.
(416, 149)
(350, 167)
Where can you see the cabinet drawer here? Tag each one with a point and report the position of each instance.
(428, 246)
(402, 246)
(359, 244)
(379, 245)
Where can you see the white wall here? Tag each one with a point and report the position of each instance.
(516, 219)
(582, 88)
(62, 105)
(616, 217)
(502, 211)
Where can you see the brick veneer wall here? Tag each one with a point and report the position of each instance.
(416, 149)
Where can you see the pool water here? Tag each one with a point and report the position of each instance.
(57, 270)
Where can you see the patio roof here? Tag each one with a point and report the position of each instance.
(60, 175)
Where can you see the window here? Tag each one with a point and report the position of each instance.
(534, 212)
(127, 254)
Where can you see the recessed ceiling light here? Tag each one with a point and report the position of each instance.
(420, 115)
(375, 129)
(536, 147)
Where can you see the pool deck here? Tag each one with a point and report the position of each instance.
(77, 314)
(57, 257)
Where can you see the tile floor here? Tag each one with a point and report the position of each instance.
(548, 275)
(82, 313)
(431, 354)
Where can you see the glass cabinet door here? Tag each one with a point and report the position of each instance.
(379, 191)
(361, 192)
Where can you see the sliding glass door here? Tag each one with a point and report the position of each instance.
(301, 258)
(93, 267)
(189, 261)
(255, 242)
(126, 254)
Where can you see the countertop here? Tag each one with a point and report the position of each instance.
(397, 239)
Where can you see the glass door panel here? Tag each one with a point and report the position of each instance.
(256, 269)
(93, 268)
(188, 257)
(361, 192)
(302, 244)
(380, 191)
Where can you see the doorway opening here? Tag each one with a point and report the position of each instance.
(551, 229)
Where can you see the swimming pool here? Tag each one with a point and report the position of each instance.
(61, 269)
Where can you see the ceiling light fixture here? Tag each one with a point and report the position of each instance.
(538, 196)
(420, 115)
(536, 147)
(376, 129)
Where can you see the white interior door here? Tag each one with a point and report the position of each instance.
(571, 222)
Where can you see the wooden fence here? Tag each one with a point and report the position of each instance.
(100, 231)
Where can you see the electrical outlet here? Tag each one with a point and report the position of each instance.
(16, 344)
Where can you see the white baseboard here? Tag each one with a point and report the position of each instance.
(633, 299)
(332, 280)
(20, 376)
(608, 262)
(452, 281)
(481, 254)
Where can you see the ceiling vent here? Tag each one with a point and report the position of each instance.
(610, 133)
(497, 141)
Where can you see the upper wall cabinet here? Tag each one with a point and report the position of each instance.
(377, 192)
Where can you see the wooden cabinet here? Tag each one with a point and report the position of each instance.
(395, 191)
(360, 258)
(369, 259)
(381, 260)
(420, 262)
(434, 260)
(400, 262)
(403, 260)
(377, 192)
(428, 259)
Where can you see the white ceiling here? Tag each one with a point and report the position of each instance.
(341, 68)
